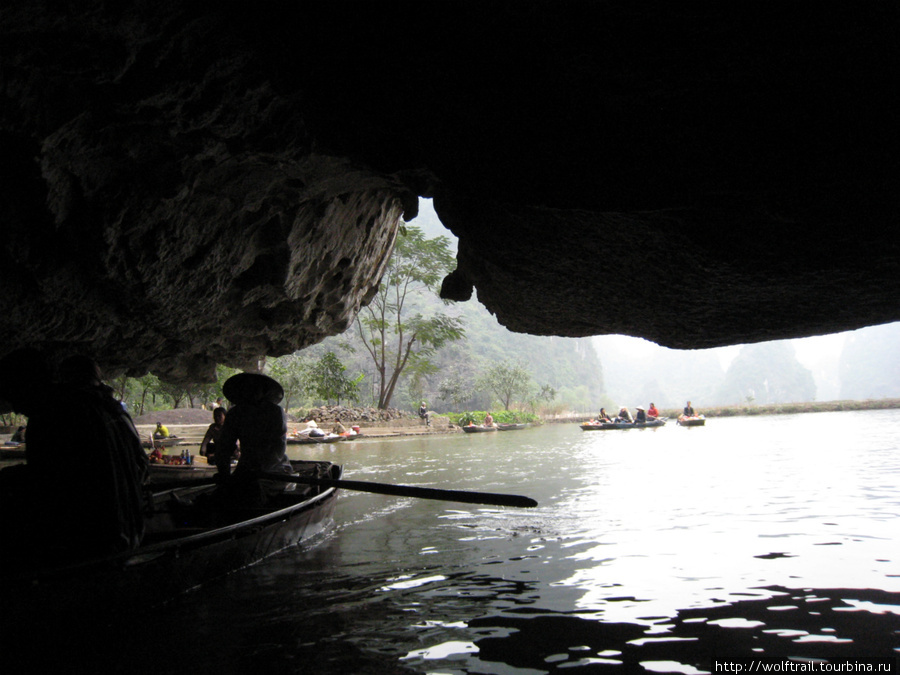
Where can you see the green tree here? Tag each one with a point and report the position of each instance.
(293, 373)
(456, 390)
(392, 327)
(328, 380)
(147, 384)
(176, 392)
(508, 381)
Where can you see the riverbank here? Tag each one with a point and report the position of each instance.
(752, 409)
(192, 423)
(184, 424)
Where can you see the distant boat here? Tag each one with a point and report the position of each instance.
(695, 421)
(511, 427)
(478, 428)
(602, 426)
(327, 438)
(164, 442)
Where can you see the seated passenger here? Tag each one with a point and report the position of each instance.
(624, 416)
(603, 417)
(161, 431)
(211, 438)
(641, 417)
(652, 411)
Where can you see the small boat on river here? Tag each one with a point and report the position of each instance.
(188, 543)
(478, 428)
(603, 426)
(303, 439)
(511, 427)
(695, 421)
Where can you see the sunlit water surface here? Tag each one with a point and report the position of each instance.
(655, 550)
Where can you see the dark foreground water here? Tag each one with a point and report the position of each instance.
(655, 550)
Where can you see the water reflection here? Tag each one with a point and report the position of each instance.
(825, 624)
(657, 550)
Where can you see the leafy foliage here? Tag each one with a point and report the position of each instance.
(393, 328)
(456, 390)
(508, 380)
(500, 417)
(292, 372)
(328, 380)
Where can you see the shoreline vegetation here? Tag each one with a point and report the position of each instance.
(447, 423)
(411, 425)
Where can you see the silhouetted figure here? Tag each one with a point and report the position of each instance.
(259, 424)
(81, 484)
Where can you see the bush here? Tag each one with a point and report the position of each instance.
(500, 417)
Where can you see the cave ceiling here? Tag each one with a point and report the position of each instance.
(186, 184)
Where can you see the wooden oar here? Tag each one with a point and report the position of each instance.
(491, 498)
(162, 486)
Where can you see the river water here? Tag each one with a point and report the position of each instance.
(654, 550)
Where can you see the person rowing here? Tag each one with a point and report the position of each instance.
(259, 424)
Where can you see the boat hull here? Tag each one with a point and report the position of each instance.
(698, 421)
(10, 452)
(311, 440)
(510, 427)
(169, 565)
(167, 473)
(605, 426)
(477, 429)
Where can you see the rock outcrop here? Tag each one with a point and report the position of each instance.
(193, 183)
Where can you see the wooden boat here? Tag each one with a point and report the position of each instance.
(597, 426)
(327, 438)
(511, 427)
(188, 543)
(164, 442)
(12, 451)
(168, 473)
(478, 428)
(696, 421)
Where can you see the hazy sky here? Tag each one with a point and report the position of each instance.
(810, 351)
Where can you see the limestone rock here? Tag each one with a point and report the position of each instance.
(185, 184)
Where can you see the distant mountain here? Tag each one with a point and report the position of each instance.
(870, 363)
(767, 372)
(652, 374)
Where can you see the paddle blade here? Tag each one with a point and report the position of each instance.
(465, 496)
